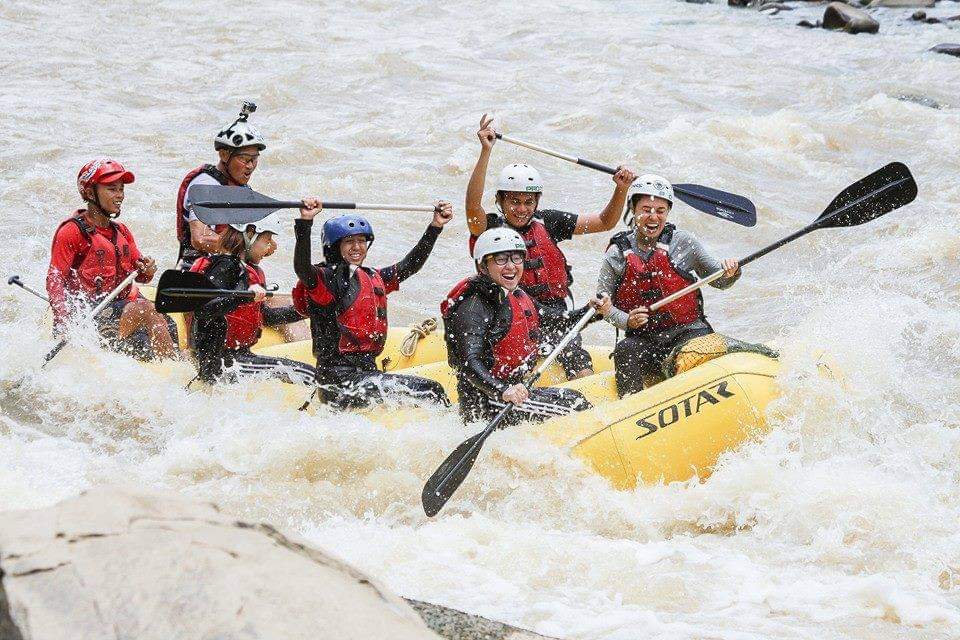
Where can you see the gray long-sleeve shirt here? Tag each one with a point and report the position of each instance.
(686, 252)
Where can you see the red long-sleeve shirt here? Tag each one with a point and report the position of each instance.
(88, 268)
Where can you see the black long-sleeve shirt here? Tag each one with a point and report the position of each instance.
(480, 319)
(410, 264)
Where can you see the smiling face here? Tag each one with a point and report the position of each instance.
(262, 247)
(109, 197)
(518, 207)
(240, 163)
(649, 217)
(508, 274)
(353, 249)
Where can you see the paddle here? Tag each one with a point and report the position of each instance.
(458, 464)
(721, 204)
(880, 192)
(93, 314)
(216, 204)
(16, 280)
(180, 291)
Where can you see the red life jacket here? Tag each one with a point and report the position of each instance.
(103, 264)
(546, 274)
(363, 322)
(245, 323)
(353, 320)
(646, 280)
(183, 228)
(520, 342)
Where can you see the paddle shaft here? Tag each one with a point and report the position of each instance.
(819, 222)
(530, 381)
(16, 280)
(180, 292)
(590, 164)
(96, 311)
(292, 204)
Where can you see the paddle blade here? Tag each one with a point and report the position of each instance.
(728, 206)
(176, 279)
(215, 204)
(451, 474)
(880, 192)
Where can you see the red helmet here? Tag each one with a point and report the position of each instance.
(102, 171)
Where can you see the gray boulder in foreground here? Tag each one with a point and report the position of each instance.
(113, 563)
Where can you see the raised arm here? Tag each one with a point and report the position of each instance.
(607, 219)
(302, 227)
(476, 216)
(417, 257)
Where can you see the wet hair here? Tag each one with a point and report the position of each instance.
(231, 241)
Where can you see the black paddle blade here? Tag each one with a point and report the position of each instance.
(218, 204)
(176, 279)
(728, 206)
(442, 484)
(880, 192)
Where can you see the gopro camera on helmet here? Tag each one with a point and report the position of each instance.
(247, 108)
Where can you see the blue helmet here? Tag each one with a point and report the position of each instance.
(340, 227)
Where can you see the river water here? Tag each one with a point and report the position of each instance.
(843, 522)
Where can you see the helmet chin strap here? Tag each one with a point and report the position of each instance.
(99, 206)
(248, 243)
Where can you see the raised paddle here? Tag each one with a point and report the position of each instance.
(93, 314)
(216, 204)
(180, 291)
(728, 206)
(880, 192)
(458, 464)
(16, 280)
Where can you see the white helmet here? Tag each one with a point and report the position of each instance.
(650, 184)
(497, 240)
(520, 177)
(240, 133)
(269, 224)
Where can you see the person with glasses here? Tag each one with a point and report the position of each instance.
(238, 145)
(492, 328)
(547, 275)
(647, 264)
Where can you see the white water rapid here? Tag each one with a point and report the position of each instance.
(843, 523)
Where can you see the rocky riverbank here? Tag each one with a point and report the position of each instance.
(118, 563)
(861, 16)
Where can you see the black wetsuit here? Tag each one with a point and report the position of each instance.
(475, 323)
(352, 379)
(210, 332)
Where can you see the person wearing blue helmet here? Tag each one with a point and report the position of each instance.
(347, 306)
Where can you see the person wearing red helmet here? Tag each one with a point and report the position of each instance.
(92, 254)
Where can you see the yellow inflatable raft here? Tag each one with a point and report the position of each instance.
(674, 430)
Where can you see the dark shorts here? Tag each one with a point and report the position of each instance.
(544, 403)
(349, 388)
(137, 344)
(574, 358)
(639, 358)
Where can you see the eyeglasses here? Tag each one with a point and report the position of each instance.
(516, 257)
(248, 158)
